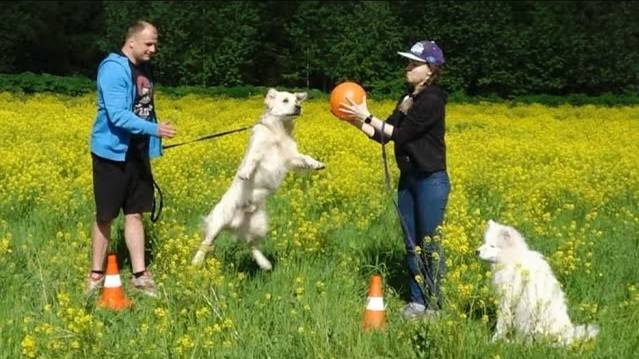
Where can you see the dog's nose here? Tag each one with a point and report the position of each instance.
(298, 108)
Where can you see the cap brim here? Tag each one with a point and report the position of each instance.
(411, 56)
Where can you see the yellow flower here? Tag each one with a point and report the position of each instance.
(160, 312)
(29, 346)
(495, 160)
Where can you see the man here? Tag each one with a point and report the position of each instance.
(124, 138)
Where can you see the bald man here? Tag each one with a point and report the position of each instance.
(125, 136)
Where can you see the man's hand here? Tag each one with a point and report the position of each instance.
(166, 129)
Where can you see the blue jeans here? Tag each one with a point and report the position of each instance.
(422, 201)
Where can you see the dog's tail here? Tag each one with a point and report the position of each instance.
(585, 331)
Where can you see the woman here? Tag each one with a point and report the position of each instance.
(417, 126)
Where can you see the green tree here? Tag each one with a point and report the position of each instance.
(272, 56)
(492, 47)
(197, 45)
(337, 41)
(311, 35)
(366, 50)
(55, 37)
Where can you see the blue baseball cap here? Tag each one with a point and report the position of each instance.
(425, 51)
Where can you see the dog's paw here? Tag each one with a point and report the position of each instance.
(266, 265)
(244, 173)
(248, 207)
(498, 337)
(320, 165)
(261, 260)
(199, 258)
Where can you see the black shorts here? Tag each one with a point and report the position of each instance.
(121, 185)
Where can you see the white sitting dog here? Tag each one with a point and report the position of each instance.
(272, 151)
(531, 302)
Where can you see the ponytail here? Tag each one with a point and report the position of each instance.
(407, 103)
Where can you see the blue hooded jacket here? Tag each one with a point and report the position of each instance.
(115, 121)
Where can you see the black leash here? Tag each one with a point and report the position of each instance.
(424, 270)
(207, 137)
(155, 216)
(159, 204)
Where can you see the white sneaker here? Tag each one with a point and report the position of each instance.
(418, 311)
(413, 310)
(93, 283)
(145, 284)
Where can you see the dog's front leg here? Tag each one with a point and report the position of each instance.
(497, 336)
(302, 161)
(248, 166)
(504, 321)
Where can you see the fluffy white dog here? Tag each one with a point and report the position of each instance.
(531, 302)
(272, 151)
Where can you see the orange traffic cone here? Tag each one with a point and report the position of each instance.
(113, 297)
(374, 313)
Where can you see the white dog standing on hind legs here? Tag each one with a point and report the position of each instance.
(272, 151)
(531, 302)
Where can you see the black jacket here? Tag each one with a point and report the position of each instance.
(419, 134)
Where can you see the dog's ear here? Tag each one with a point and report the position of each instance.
(301, 96)
(506, 235)
(270, 97)
(517, 238)
(511, 237)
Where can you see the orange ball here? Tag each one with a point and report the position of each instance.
(339, 94)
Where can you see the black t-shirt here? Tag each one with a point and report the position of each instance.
(142, 76)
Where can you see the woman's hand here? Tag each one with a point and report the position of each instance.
(357, 112)
(354, 121)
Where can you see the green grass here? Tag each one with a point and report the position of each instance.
(323, 322)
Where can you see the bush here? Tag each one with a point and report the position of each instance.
(232, 92)
(29, 82)
(78, 85)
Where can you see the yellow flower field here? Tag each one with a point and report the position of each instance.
(567, 177)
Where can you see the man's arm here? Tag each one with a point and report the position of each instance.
(112, 84)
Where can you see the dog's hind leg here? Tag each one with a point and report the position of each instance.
(213, 225)
(257, 228)
(260, 259)
(583, 332)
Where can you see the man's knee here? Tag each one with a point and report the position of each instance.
(103, 224)
(132, 218)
